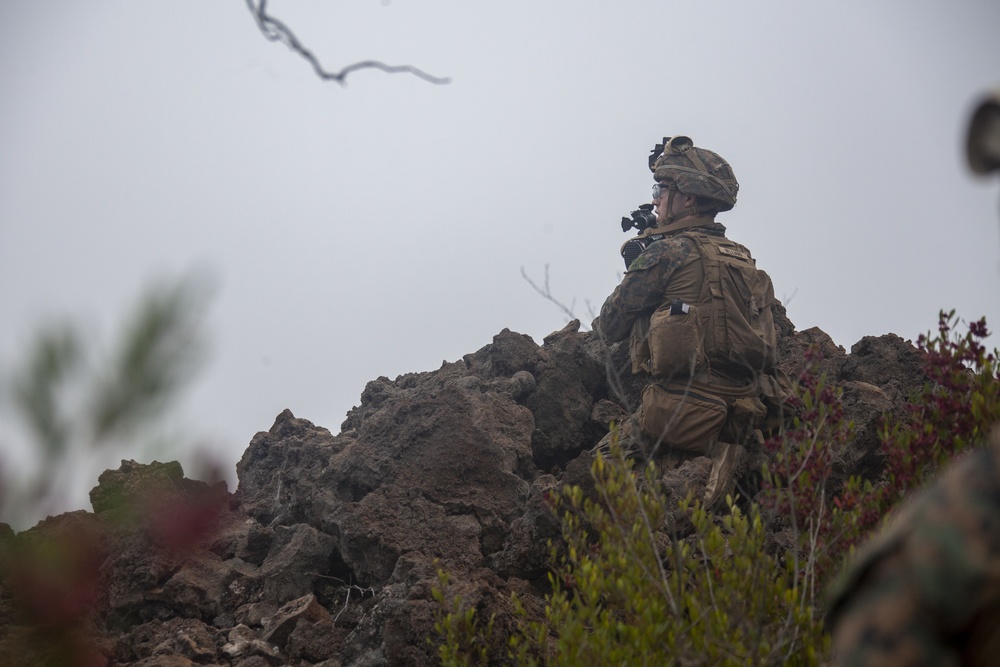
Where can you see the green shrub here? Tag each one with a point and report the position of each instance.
(628, 591)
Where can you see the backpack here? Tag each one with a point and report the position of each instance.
(730, 328)
(739, 325)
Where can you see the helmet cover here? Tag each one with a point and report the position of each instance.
(695, 171)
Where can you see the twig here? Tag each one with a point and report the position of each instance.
(347, 587)
(276, 31)
(547, 293)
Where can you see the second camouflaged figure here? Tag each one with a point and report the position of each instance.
(926, 591)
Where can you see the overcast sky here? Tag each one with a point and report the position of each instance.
(381, 228)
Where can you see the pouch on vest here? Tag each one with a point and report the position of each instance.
(639, 350)
(675, 341)
(677, 415)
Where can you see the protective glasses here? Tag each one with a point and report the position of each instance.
(660, 189)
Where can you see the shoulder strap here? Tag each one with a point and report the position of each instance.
(711, 291)
(734, 302)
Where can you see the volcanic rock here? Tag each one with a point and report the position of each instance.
(331, 548)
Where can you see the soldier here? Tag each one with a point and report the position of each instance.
(699, 313)
(926, 591)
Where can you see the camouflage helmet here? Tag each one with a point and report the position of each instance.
(695, 171)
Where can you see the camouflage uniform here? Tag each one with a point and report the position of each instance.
(705, 336)
(927, 590)
(644, 285)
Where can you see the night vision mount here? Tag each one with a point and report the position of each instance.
(643, 219)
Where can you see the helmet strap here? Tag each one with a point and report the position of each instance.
(670, 206)
(671, 216)
(696, 161)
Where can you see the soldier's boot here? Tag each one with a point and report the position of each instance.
(726, 458)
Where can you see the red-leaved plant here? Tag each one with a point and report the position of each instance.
(957, 406)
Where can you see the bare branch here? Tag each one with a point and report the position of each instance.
(276, 31)
(547, 293)
(614, 375)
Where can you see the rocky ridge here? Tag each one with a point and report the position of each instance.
(328, 551)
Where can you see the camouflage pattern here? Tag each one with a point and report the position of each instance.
(644, 285)
(927, 590)
(630, 440)
(697, 171)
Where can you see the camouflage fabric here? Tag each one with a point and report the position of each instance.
(697, 171)
(641, 290)
(927, 591)
(629, 440)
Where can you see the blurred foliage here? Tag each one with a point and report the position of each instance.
(745, 586)
(74, 405)
(53, 579)
(158, 354)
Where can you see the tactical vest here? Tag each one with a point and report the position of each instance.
(715, 317)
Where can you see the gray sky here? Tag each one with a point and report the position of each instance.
(381, 228)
